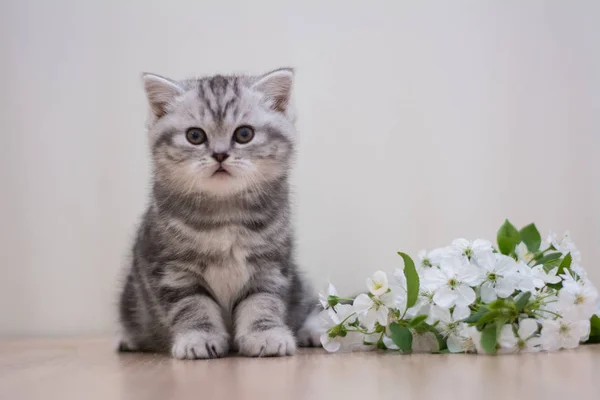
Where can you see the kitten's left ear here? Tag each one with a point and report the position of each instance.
(276, 86)
(160, 92)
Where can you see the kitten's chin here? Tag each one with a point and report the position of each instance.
(223, 184)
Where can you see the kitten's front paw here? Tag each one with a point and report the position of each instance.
(272, 342)
(192, 345)
(310, 333)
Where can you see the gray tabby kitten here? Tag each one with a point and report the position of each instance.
(213, 260)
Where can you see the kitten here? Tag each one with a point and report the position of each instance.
(213, 261)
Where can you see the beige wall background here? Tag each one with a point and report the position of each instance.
(419, 122)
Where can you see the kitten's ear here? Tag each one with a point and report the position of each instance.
(276, 86)
(160, 92)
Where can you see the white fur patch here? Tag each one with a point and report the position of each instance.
(227, 281)
(197, 344)
(272, 342)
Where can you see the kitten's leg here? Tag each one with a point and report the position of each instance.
(197, 325)
(260, 328)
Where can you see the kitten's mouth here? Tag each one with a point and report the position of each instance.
(221, 171)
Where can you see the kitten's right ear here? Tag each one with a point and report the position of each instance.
(160, 92)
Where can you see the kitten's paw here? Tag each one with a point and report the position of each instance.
(310, 333)
(193, 345)
(272, 342)
(124, 344)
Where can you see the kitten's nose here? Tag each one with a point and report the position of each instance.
(220, 157)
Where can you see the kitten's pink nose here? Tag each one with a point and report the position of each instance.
(220, 157)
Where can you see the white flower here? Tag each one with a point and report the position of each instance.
(562, 333)
(523, 253)
(527, 280)
(542, 277)
(422, 306)
(525, 339)
(400, 278)
(548, 302)
(378, 283)
(434, 257)
(372, 309)
(353, 341)
(475, 250)
(331, 318)
(577, 299)
(451, 283)
(467, 340)
(324, 299)
(449, 323)
(500, 278)
(565, 245)
(578, 269)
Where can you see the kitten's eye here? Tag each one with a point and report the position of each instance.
(195, 136)
(243, 134)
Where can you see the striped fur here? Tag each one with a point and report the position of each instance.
(212, 266)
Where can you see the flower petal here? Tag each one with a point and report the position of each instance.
(460, 313)
(466, 295)
(461, 244)
(527, 327)
(440, 314)
(505, 287)
(389, 343)
(382, 315)
(470, 275)
(507, 339)
(362, 303)
(445, 297)
(368, 319)
(331, 290)
(455, 344)
(487, 293)
(330, 344)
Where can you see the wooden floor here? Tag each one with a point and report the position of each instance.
(89, 369)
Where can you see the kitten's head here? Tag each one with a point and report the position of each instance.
(223, 134)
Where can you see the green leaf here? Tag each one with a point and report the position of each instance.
(401, 336)
(595, 330)
(488, 317)
(595, 325)
(412, 280)
(522, 300)
(476, 316)
(499, 325)
(508, 238)
(531, 237)
(489, 338)
(548, 257)
(550, 265)
(418, 320)
(565, 264)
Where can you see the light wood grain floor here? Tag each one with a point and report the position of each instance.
(89, 369)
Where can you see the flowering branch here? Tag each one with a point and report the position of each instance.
(524, 295)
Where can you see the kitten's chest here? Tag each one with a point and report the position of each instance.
(228, 272)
